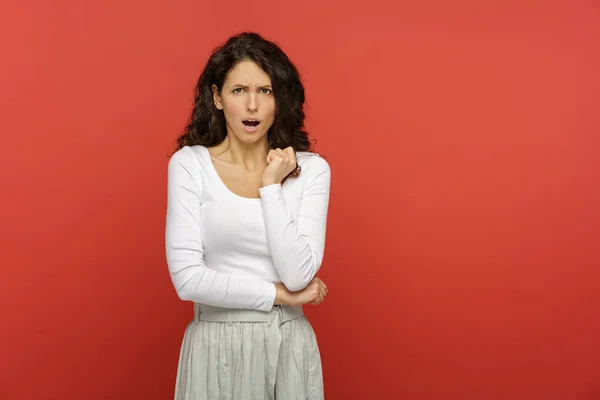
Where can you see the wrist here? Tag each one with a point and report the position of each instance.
(282, 295)
(268, 183)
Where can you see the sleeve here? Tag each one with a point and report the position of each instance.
(192, 279)
(297, 246)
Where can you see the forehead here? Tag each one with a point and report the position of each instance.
(247, 73)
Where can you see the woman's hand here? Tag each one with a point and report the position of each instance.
(313, 294)
(322, 291)
(279, 165)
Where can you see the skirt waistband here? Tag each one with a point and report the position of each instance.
(203, 312)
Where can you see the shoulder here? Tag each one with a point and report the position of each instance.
(188, 156)
(188, 164)
(312, 164)
(186, 169)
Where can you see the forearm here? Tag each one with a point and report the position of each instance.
(282, 295)
(200, 284)
(293, 256)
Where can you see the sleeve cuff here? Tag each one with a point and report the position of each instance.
(270, 189)
(270, 297)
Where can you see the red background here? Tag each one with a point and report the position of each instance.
(464, 232)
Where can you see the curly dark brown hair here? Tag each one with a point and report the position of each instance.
(207, 123)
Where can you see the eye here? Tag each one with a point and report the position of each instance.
(266, 91)
(237, 90)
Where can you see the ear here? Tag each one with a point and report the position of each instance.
(217, 97)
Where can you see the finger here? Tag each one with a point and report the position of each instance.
(287, 155)
(277, 156)
(322, 296)
(281, 154)
(289, 151)
(323, 285)
(271, 155)
(320, 300)
(323, 288)
(321, 293)
(311, 293)
(318, 293)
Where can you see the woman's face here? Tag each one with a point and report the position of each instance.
(247, 102)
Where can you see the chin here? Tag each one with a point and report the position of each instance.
(250, 138)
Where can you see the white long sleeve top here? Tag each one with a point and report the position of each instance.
(226, 250)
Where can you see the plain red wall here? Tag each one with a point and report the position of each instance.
(464, 233)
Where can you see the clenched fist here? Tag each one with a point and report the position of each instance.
(279, 165)
(320, 288)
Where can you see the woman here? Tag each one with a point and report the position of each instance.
(245, 230)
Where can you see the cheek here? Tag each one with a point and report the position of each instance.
(233, 108)
(271, 110)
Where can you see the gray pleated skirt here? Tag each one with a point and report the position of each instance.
(232, 354)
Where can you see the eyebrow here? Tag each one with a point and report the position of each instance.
(247, 87)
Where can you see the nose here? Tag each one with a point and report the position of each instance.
(252, 102)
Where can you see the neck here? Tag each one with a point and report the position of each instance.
(250, 155)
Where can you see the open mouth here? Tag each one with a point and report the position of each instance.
(249, 123)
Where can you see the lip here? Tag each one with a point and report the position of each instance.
(251, 129)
